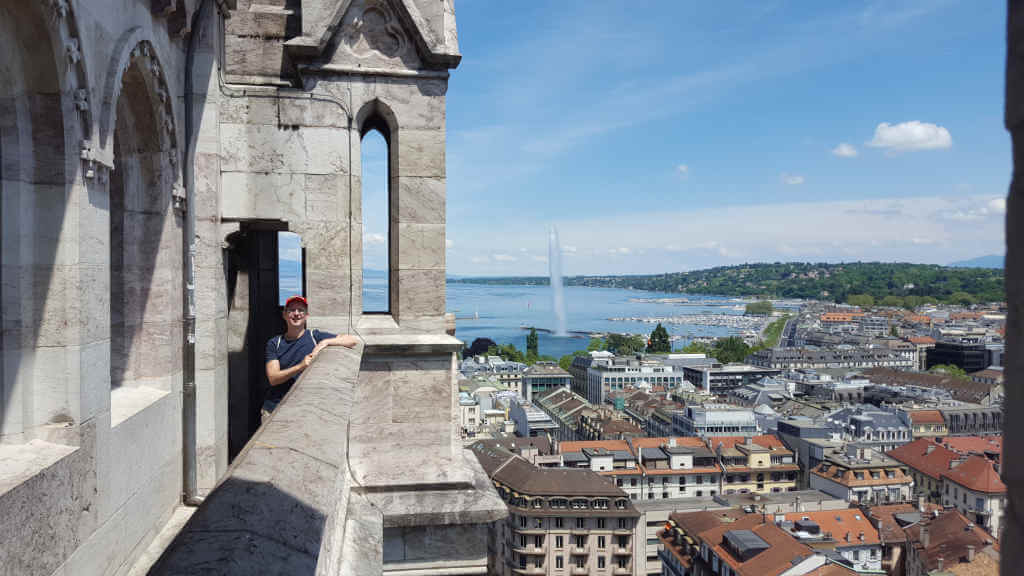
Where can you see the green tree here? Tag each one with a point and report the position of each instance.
(532, 342)
(861, 300)
(894, 330)
(893, 301)
(950, 370)
(566, 361)
(625, 344)
(696, 347)
(597, 345)
(760, 308)
(911, 301)
(961, 298)
(731, 349)
(659, 342)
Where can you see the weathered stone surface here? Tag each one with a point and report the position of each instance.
(421, 153)
(281, 489)
(420, 293)
(260, 148)
(421, 200)
(420, 246)
(312, 111)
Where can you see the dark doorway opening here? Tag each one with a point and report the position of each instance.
(254, 317)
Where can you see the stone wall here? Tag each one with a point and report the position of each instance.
(91, 143)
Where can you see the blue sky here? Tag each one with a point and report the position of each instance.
(665, 136)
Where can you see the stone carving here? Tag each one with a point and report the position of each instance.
(375, 29)
(73, 51)
(145, 56)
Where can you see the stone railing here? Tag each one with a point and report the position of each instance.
(314, 493)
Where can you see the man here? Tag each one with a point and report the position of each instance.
(292, 352)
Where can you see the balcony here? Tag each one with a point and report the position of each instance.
(530, 531)
(529, 570)
(622, 531)
(578, 550)
(579, 570)
(311, 454)
(534, 550)
(622, 570)
(620, 551)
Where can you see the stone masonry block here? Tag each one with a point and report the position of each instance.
(421, 153)
(326, 197)
(421, 200)
(312, 112)
(249, 110)
(420, 293)
(260, 195)
(259, 148)
(420, 246)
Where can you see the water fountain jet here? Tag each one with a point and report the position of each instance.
(555, 269)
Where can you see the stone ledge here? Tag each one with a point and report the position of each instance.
(19, 462)
(268, 515)
(382, 344)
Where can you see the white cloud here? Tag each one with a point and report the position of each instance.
(907, 229)
(568, 249)
(374, 239)
(504, 258)
(913, 135)
(997, 205)
(792, 179)
(844, 150)
(683, 170)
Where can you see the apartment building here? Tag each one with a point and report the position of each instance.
(839, 357)
(927, 423)
(710, 420)
(847, 532)
(757, 464)
(565, 408)
(967, 481)
(731, 543)
(881, 428)
(562, 521)
(719, 379)
(950, 544)
(860, 474)
(608, 373)
(542, 377)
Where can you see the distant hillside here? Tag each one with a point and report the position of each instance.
(901, 283)
(990, 261)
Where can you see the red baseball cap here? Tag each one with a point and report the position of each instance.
(296, 298)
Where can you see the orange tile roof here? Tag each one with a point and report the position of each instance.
(687, 441)
(974, 444)
(890, 530)
(977, 474)
(925, 456)
(579, 445)
(848, 477)
(926, 417)
(769, 441)
(840, 523)
(949, 536)
(782, 552)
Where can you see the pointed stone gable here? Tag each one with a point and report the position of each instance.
(378, 34)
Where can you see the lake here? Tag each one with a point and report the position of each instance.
(505, 313)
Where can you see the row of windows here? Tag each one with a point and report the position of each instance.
(578, 541)
(559, 522)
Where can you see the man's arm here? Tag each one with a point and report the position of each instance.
(346, 340)
(277, 376)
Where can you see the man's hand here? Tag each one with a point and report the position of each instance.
(309, 358)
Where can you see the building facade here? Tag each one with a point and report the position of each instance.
(561, 521)
(710, 420)
(863, 476)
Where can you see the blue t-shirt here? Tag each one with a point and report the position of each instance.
(290, 353)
